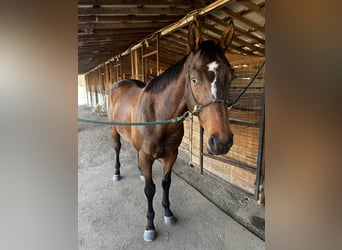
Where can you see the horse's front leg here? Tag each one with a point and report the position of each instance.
(139, 168)
(150, 189)
(168, 162)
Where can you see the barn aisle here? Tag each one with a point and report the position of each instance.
(111, 215)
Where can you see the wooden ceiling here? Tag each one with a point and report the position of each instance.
(107, 28)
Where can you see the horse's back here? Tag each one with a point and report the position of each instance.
(122, 86)
(123, 95)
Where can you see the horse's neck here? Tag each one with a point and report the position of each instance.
(177, 92)
(171, 102)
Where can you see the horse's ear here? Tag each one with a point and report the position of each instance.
(227, 36)
(194, 37)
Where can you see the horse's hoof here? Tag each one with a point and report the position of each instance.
(116, 177)
(170, 220)
(142, 178)
(150, 235)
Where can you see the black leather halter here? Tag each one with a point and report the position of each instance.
(199, 106)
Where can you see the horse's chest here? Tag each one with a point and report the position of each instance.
(158, 142)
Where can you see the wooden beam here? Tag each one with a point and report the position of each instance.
(114, 41)
(92, 54)
(143, 2)
(252, 6)
(237, 29)
(181, 41)
(247, 11)
(158, 54)
(92, 64)
(154, 52)
(109, 32)
(114, 11)
(189, 18)
(172, 46)
(104, 26)
(243, 19)
(106, 74)
(172, 55)
(142, 64)
(128, 18)
(231, 47)
(236, 39)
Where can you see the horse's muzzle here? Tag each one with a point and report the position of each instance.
(218, 147)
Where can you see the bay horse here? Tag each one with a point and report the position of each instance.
(198, 83)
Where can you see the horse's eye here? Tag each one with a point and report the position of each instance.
(194, 80)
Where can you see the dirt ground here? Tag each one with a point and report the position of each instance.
(112, 215)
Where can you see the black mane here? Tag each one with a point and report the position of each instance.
(139, 83)
(162, 81)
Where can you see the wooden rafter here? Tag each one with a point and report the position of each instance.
(241, 18)
(104, 26)
(238, 30)
(236, 39)
(115, 11)
(142, 2)
(253, 6)
(127, 18)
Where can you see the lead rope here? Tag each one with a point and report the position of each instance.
(173, 120)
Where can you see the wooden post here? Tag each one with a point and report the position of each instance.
(132, 64)
(136, 64)
(106, 75)
(111, 73)
(201, 149)
(260, 148)
(103, 78)
(120, 61)
(191, 123)
(86, 78)
(96, 83)
(142, 64)
(158, 54)
(115, 78)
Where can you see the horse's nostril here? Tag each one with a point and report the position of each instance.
(212, 142)
(217, 146)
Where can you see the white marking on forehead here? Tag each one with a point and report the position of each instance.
(213, 67)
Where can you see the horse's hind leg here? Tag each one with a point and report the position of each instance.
(168, 162)
(117, 147)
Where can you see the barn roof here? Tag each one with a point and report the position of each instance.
(108, 28)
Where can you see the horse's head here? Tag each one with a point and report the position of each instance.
(208, 79)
